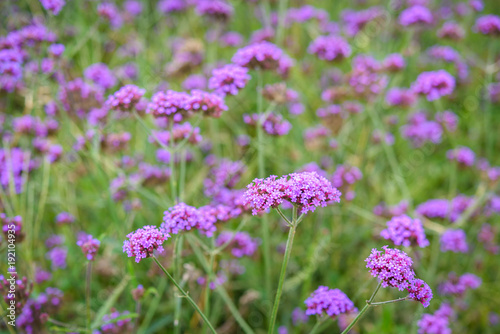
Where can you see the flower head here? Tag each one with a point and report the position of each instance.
(125, 98)
(455, 241)
(307, 190)
(488, 25)
(228, 80)
(330, 301)
(265, 56)
(392, 268)
(403, 230)
(89, 246)
(419, 290)
(144, 241)
(434, 84)
(330, 48)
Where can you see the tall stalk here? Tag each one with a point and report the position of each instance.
(186, 295)
(288, 251)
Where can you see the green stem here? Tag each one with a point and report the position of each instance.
(288, 251)
(185, 294)
(363, 310)
(87, 292)
(389, 301)
(282, 7)
(316, 327)
(177, 260)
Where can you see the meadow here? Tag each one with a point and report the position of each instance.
(249, 166)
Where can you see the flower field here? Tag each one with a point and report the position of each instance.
(249, 166)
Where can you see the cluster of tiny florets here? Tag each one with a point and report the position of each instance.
(305, 190)
(143, 242)
(331, 302)
(405, 231)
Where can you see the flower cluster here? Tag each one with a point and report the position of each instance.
(89, 245)
(454, 240)
(228, 80)
(434, 84)
(463, 155)
(437, 323)
(240, 243)
(305, 190)
(143, 242)
(182, 217)
(405, 231)
(125, 98)
(265, 56)
(331, 302)
(273, 124)
(392, 267)
(458, 285)
(330, 48)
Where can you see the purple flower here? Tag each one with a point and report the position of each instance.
(458, 285)
(274, 124)
(56, 50)
(434, 84)
(299, 316)
(111, 326)
(57, 257)
(488, 25)
(195, 81)
(229, 79)
(168, 104)
(356, 21)
(392, 268)
(419, 290)
(144, 241)
(172, 6)
(125, 98)
(133, 7)
(182, 217)
(451, 30)
(394, 62)
(455, 241)
(463, 155)
(218, 10)
(306, 190)
(53, 6)
(416, 15)
(225, 175)
(65, 218)
(400, 97)
(403, 230)
(240, 243)
(231, 38)
(265, 56)
(109, 12)
(437, 323)
(209, 104)
(330, 48)
(448, 119)
(89, 245)
(101, 75)
(331, 302)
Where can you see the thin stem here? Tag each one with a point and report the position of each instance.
(318, 324)
(185, 294)
(360, 314)
(173, 181)
(284, 217)
(87, 293)
(363, 310)
(177, 274)
(389, 301)
(288, 251)
(375, 292)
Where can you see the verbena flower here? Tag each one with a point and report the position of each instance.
(53, 6)
(143, 242)
(239, 243)
(392, 267)
(455, 241)
(463, 155)
(331, 302)
(434, 84)
(125, 98)
(405, 231)
(182, 217)
(89, 245)
(437, 323)
(228, 80)
(488, 25)
(305, 190)
(458, 285)
(101, 75)
(265, 56)
(416, 15)
(330, 48)
(419, 290)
